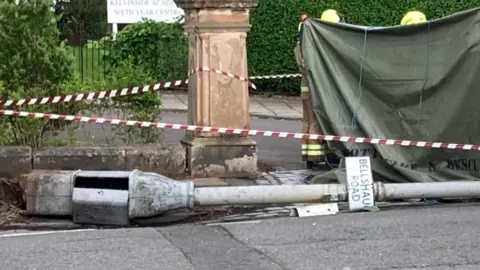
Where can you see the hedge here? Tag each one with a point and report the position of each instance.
(274, 24)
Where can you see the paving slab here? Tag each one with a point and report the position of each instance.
(209, 182)
(261, 110)
(298, 108)
(275, 108)
(183, 98)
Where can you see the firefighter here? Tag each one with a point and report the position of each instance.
(413, 17)
(313, 151)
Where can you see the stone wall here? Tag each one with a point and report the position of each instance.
(163, 159)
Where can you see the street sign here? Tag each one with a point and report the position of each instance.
(360, 183)
(133, 11)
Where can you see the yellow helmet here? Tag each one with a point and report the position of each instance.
(330, 15)
(413, 17)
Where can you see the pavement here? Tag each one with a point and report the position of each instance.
(435, 237)
(275, 107)
(275, 152)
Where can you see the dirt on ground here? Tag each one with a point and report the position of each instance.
(198, 214)
(12, 201)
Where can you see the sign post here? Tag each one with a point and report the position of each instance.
(359, 183)
(114, 30)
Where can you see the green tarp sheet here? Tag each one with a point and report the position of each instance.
(418, 82)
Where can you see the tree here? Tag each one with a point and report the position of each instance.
(82, 20)
(33, 63)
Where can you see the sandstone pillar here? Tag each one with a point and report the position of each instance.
(217, 31)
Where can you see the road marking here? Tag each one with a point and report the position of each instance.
(43, 232)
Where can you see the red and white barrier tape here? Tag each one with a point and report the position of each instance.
(231, 75)
(278, 76)
(251, 132)
(110, 93)
(228, 74)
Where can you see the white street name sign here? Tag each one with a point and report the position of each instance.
(360, 183)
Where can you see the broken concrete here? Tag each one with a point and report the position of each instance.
(221, 157)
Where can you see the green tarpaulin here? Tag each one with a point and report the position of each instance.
(418, 82)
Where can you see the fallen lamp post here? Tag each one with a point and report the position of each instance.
(116, 197)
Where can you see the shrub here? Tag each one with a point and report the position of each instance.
(144, 53)
(160, 49)
(274, 25)
(33, 63)
(141, 107)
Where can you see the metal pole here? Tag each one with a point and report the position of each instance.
(269, 194)
(330, 192)
(456, 189)
(150, 194)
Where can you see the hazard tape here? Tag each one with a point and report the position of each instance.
(251, 132)
(278, 76)
(110, 93)
(228, 74)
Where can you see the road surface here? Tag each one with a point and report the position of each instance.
(430, 238)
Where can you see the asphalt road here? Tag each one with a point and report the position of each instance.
(435, 237)
(276, 152)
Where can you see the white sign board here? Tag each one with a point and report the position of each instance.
(133, 11)
(360, 182)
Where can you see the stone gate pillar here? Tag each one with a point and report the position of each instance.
(217, 31)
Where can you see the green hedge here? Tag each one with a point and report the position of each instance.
(274, 24)
(161, 49)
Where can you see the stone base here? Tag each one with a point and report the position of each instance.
(162, 159)
(221, 156)
(15, 160)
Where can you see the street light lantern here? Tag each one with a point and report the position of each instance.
(105, 197)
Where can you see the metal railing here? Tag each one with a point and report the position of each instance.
(90, 60)
(83, 39)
